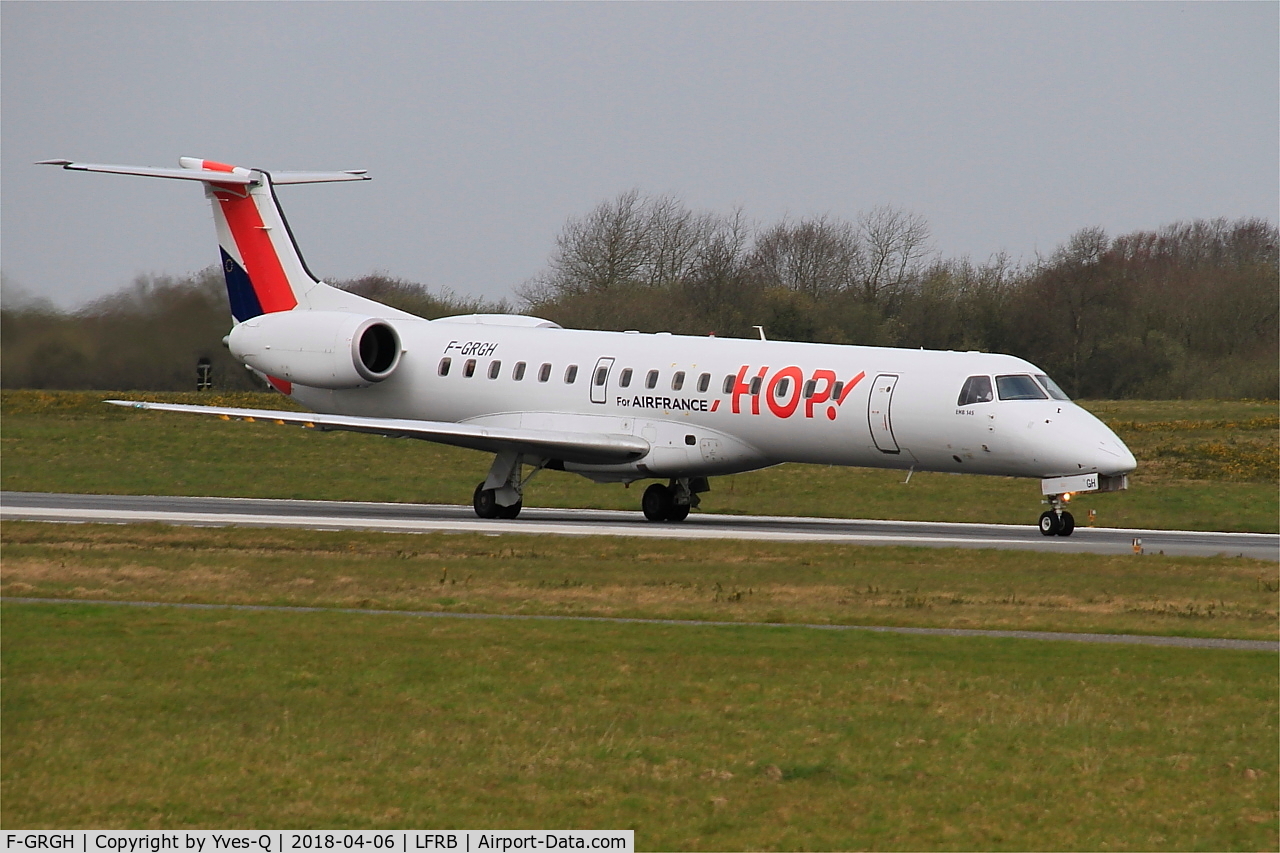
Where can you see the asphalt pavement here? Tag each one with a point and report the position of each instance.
(426, 518)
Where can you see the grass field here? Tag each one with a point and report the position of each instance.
(1203, 465)
(722, 580)
(698, 738)
(712, 738)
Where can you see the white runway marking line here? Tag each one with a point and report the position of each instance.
(449, 518)
(125, 516)
(1060, 636)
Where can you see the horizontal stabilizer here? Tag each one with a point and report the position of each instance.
(583, 448)
(318, 177)
(151, 172)
(238, 176)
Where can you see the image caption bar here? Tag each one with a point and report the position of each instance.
(275, 841)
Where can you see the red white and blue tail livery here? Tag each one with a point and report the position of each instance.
(621, 406)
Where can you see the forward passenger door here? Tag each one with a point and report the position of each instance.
(878, 413)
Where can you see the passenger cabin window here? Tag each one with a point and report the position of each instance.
(780, 389)
(544, 372)
(677, 381)
(836, 390)
(495, 367)
(704, 382)
(1018, 386)
(518, 372)
(1052, 387)
(977, 389)
(624, 379)
(809, 388)
(571, 374)
(444, 366)
(602, 373)
(469, 369)
(651, 381)
(729, 382)
(755, 385)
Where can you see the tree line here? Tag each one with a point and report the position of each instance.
(1189, 310)
(151, 335)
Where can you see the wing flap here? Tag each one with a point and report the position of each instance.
(583, 448)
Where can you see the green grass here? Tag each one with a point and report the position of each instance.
(698, 738)
(1227, 441)
(730, 581)
(739, 737)
(1204, 465)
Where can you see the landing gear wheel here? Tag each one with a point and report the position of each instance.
(485, 502)
(678, 512)
(1049, 523)
(657, 503)
(1067, 523)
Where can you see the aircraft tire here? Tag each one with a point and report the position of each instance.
(510, 511)
(485, 502)
(1049, 524)
(1067, 524)
(657, 503)
(678, 512)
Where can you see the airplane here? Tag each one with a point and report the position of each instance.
(620, 407)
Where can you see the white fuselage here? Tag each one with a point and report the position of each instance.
(742, 404)
(620, 406)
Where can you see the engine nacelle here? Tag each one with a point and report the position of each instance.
(323, 349)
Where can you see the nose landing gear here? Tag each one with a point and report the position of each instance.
(1057, 521)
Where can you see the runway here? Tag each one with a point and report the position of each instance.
(437, 518)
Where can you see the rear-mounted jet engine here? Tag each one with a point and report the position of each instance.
(323, 349)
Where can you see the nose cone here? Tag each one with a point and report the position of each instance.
(1112, 456)
(1072, 441)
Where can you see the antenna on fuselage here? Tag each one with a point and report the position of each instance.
(760, 329)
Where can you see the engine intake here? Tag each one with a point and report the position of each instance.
(323, 349)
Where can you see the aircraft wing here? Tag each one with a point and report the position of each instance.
(580, 447)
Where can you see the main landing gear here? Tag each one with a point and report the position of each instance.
(485, 503)
(659, 504)
(673, 502)
(501, 494)
(1057, 521)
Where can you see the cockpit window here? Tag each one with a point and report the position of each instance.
(1052, 387)
(977, 389)
(1018, 386)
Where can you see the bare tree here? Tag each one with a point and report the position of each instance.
(895, 247)
(630, 241)
(672, 238)
(817, 257)
(598, 252)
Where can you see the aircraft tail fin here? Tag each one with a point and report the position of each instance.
(263, 268)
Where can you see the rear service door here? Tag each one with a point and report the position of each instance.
(878, 413)
(600, 380)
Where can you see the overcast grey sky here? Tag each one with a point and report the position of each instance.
(485, 125)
